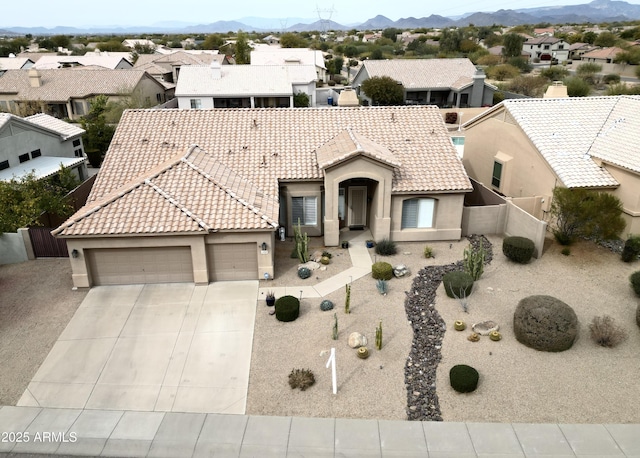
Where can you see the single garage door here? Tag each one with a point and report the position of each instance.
(232, 261)
(122, 266)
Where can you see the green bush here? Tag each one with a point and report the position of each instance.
(631, 249)
(457, 284)
(382, 271)
(304, 272)
(463, 378)
(428, 252)
(545, 323)
(638, 315)
(386, 247)
(287, 308)
(566, 251)
(611, 78)
(635, 282)
(518, 249)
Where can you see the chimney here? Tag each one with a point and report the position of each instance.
(35, 80)
(216, 70)
(477, 95)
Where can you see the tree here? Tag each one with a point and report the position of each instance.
(293, 40)
(301, 99)
(391, 33)
(23, 200)
(334, 66)
(589, 37)
(383, 90)
(98, 133)
(242, 49)
(61, 41)
(585, 213)
(450, 40)
(605, 40)
(213, 41)
(630, 56)
(588, 71)
(577, 87)
(512, 45)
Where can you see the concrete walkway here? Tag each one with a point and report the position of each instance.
(361, 266)
(157, 434)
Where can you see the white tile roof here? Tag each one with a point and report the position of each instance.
(108, 61)
(243, 80)
(423, 73)
(246, 152)
(13, 63)
(65, 129)
(268, 55)
(568, 132)
(42, 167)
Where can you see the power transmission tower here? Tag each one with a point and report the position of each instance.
(324, 16)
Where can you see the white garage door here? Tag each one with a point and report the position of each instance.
(232, 261)
(122, 266)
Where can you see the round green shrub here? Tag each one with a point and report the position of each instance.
(518, 249)
(287, 308)
(326, 305)
(304, 272)
(386, 247)
(631, 249)
(634, 278)
(638, 315)
(382, 271)
(545, 323)
(457, 284)
(463, 378)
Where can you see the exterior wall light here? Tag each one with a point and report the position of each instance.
(75, 253)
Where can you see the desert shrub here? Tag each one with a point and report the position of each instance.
(545, 323)
(631, 249)
(428, 252)
(382, 286)
(382, 271)
(326, 305)
(555, 73)
(287, 308)
(463, 378)
(611, 78)
(566, 251)
(451, 117)
(301, 378)
(638, 315)
(634, 278)
(386, 247)
(577, 87)
(518, 249)
(457, 284)
(304, 272)
(605, 332)
(502, 72)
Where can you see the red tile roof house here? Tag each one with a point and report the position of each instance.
(193, 195)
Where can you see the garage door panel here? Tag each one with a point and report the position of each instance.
(232, 261)
(121, 266)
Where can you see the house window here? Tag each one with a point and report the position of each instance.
(36, 153)
(78, 107)
(78, 152)
(196, 103)
(417, 213)
(304, 209)
(496, 177)
(76, 143)
(159, 97)
(24, 157)
(4, 165)
(546, 46)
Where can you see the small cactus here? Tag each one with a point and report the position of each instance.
(379, 336)
(326, 305)
(347, 299)
(304, 272)
(459, 325)
(473, 337)
(495, 336)
(363, 352)
(383, 286)
(335, 327)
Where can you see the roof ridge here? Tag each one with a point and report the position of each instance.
(227, 189)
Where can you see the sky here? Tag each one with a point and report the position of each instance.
(83, 13)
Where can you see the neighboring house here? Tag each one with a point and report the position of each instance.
(577, 50)
(112, 62)
(499, 51)
(602, 55)
(39, 144)
(132, 43)
(66, 93)
(167, 67)
(264, 55)
(271, 40)
(201, 195)
(15, 63)
(526, 147)
(442, 82)
(244, 86)
(546, 31)
(547, 48)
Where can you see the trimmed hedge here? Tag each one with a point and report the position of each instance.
(287, 308)
(457, 284)
(518, 249)
(463, 378)
(634, 278)
(382, 271)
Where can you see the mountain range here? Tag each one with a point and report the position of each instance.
(596, 11)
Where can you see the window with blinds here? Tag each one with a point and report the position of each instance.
(304, 209)
(417, 213)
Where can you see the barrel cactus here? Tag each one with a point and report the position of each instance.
(326, 305)
(304, 272)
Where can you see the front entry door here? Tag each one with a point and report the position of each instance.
(358, 206)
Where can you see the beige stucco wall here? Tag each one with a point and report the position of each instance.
(447, 221)
(82, 279)
(310, 189)
(629, 193)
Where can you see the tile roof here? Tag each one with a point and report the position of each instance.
(603, 53)
(179, 58)
(568, 132)
(65, 83)
(13, 63)
(65, 129)
(243, 79)
(42, 167)
(104, 61)
(542, 40)
(422, 73)
(259, 147)
(277, 56)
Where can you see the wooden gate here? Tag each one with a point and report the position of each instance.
(46, 245)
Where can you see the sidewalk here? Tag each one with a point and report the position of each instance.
(157, 434)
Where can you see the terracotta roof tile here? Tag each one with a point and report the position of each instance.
(423, 73)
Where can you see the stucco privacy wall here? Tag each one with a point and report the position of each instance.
(82, 276)
(12, 248)
(521, 223)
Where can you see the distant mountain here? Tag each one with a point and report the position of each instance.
(596, 11)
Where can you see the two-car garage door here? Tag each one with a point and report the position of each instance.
(121, 266)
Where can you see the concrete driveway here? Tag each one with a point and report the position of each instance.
(166, 347)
